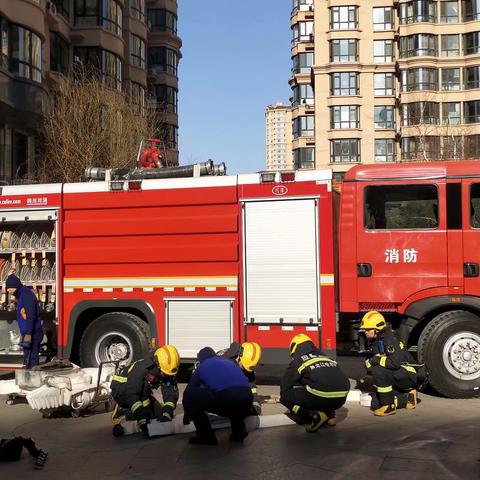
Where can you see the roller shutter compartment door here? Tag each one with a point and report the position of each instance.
(194, 324)
(281, 261)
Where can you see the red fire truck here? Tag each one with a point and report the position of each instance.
(123, 264)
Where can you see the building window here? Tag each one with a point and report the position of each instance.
(302, 5)
(450, 79)
(418, 11)
(385, 150)
(471, 111)
(112, 16)
(102, 62)
(304, 157)
(471, 10)
(344, 116)
(401, 207)
(163, 58)
(420, 148)
(137, 51)
(383, 18)
(420, 113)
(59, 54)
(449, 12)
(384, 116)
(3, 43)
(450, 46)
(451, 113)
(137, 95)
(86, 13)
(302, 63)
(345, 150)
(304, 126)
(384, 84)
(471, 43)
(303, 95)
(421, 44)
(383, 51)
(471, 146)
(137, 10)
(161, 20)
(344, 83)
(63, 7)
(26, 53)
(452, 147)
(302, 32)
(345, 50)
(168, 134)
(471, 77)
(343, 18)
(166, 97)
(419, 79)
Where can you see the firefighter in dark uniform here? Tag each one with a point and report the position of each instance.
(132, 388)
(313, 386)
(391, 366)
(248, 356)
(29, 320)
(217, 386)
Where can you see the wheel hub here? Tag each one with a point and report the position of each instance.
(118, 351)
(461, 355)
(113, 346)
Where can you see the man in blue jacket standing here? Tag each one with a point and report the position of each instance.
(29, 320)
(218, 386)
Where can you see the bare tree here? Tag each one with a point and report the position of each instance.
(87, 123)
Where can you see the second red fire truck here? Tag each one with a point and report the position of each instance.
(126, 263)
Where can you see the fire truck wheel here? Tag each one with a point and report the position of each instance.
(450, 348)
(114, 336)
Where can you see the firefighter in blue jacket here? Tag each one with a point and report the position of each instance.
(219, 386)
(29, 320)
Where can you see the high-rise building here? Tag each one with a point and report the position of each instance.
(278, 121)
(393, 80)
(41, 38)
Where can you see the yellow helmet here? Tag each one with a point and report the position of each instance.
(250, 355)
(373, 320)
(297, 340)
(167, 360)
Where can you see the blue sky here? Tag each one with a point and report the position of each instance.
(236, 61)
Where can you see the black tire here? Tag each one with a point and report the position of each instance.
(118, 431)
(114, 336)
(450, 373)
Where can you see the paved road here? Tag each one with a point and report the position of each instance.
(438, 440)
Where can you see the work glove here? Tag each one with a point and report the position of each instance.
(256, 408)
(26, 341)
(186, 419)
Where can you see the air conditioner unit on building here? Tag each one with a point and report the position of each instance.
(51, 8)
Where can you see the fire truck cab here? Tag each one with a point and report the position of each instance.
(409, 237)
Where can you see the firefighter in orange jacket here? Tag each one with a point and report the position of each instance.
(313, 386)
(132, 388)
(248, 356)
(391, 366)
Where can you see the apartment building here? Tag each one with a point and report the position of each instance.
(40, 39)
(278, 124)
(392, 80)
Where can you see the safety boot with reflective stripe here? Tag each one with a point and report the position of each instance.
(412, 400)
(318, 419)
(385, 410)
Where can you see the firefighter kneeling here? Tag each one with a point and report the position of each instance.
(133, 385)
(313, 386)
(394, 377)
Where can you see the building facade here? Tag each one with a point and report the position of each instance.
(40, 39)
(393, 80)
(278, 124)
